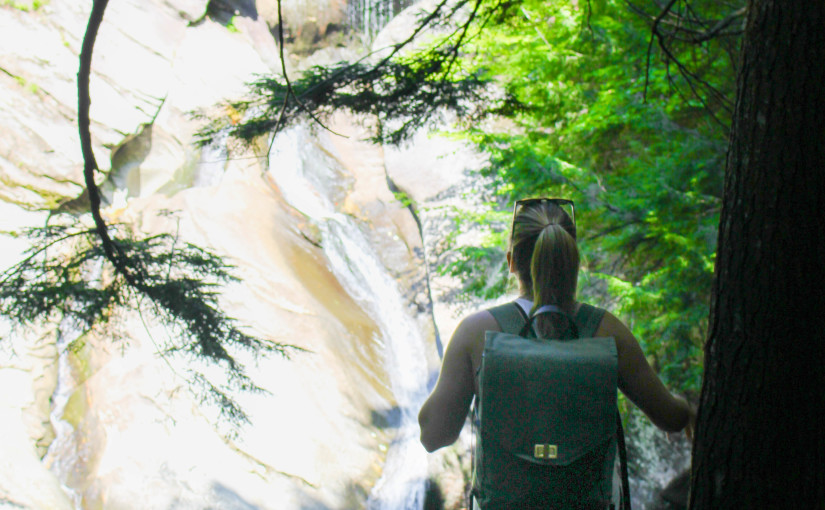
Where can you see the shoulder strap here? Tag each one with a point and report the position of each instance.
(510, 317)
(588, 319)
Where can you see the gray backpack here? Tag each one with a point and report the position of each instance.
(548, 426)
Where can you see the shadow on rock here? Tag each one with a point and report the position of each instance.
(386, 418)
(675, 494)
(227, 499)
(433, 500)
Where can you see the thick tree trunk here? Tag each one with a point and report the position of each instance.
(760, 439)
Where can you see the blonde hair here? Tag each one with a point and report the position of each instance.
(546, 261)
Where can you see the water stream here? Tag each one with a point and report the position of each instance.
(63, 456)
(306, 176)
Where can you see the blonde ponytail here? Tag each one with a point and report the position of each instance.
(546, 260)
(554, 268)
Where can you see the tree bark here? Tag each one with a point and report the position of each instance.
(760, 438)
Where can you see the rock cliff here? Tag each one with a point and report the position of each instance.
(110, 423)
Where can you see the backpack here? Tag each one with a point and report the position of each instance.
(546, 410)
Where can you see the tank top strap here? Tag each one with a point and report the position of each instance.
(588, 319)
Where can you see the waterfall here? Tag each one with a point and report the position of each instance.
(63, 457)
(67, 455)
(370, 16)
(306, 176)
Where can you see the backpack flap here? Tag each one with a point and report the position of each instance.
(547, 401)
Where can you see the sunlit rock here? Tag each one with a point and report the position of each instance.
(333, 239)
(132, 69)
(210, 66)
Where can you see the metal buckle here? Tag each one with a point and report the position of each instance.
(545, 451)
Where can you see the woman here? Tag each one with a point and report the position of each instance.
(544, 256)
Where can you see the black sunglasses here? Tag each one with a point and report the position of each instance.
(526, 202)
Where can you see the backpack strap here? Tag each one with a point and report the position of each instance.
(510, 317)
(625, 494)
(588, 319)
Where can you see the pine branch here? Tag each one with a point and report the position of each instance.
(179, 281)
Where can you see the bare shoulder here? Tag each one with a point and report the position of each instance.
(468, 338)
(474, 325)
(612, 326)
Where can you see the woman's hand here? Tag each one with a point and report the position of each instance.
(691, 422)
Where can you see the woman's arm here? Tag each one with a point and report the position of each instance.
(641, 385)
(443, 414)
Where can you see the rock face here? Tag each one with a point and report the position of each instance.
(110, 423)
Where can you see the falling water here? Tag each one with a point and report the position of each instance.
(63, 456)
(370, 16)
(67, 455)
(306, 178)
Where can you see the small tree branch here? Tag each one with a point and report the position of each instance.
(110, 248)
(653, 32)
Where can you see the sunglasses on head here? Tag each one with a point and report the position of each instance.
(526, 202)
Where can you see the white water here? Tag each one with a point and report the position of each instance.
(306, 177)
(63, 455)
(67, 455)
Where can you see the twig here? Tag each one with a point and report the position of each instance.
(14, 269)
(717, 29)
(289, 90)
(653, 33)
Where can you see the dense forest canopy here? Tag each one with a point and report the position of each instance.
(624, 108)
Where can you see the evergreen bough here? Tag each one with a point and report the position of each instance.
(67, 276)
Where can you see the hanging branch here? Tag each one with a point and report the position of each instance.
(175, 280)
(688, 28)
(113, 252)
(653, 32)
(392, 88)
(290, 89)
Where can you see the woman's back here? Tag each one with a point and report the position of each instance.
(637, 380)
(544, 256)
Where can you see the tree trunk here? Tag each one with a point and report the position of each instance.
(760, 438)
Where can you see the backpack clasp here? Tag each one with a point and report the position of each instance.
(545, 451)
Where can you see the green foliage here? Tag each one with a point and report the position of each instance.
(403, 199)
(24, 5)
(66, 276)
(230, 25)
(403, 91)
(643, 160)
(401, 94)
(477, 261)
